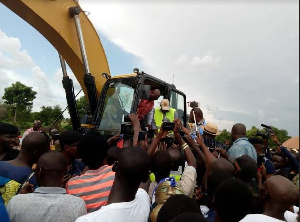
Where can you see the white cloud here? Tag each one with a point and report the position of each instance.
(239, 56)
(17, 65)
(11, 54)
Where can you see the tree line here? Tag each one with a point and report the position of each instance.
(16, 108)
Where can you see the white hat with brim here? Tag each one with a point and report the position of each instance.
(211, 129)
(165, 105)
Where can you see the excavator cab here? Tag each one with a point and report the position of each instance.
(121, 96)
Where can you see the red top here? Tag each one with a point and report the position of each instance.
(144, 107)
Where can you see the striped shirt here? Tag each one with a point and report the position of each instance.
(93, 187)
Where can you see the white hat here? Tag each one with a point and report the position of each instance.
(165, 105)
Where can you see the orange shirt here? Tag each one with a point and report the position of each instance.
(93, 187)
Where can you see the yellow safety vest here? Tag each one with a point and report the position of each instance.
(177, 177)
(159, 116)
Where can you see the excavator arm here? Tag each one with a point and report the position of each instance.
(53, 20)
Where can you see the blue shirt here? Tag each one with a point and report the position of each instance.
(200, 130)
(242, 147)
(11, 178)
(76, 168)
(3, 213)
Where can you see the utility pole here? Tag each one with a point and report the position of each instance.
(173, 79)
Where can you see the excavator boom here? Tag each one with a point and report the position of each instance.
(52, 19)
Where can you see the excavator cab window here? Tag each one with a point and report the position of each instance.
(178, 101)
(118, 102)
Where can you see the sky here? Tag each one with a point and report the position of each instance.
(239, 59)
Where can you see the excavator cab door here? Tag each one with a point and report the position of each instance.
(178, 102)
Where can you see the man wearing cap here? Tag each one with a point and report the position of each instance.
(165, 112)
(8, 136)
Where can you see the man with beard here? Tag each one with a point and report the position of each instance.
(8, 135)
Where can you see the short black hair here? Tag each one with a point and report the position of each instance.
(161, 164)
(256, 141)
(281, 154)
(215, 179)
(92, 150)
(69, 137)
(233, 195)
(6, 128)
(190, 217)
(177, 205)
(113, 155)
(134, 165)
(247, 168)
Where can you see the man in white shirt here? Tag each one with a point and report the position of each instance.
(126, 202)
(280, 194)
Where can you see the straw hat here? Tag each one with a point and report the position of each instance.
(211, 129)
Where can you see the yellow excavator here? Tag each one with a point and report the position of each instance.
(66, 26)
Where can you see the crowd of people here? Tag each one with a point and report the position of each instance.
(181, 174)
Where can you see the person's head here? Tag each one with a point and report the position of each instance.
(113, 155)
(221, 164)
(210, 130)
(55, 134)
(258, 145)
(165, 105)
(245, 168)
(215, 179)
(34, 146)
(279, 160)
(133, 166)
(279, 191)
(167, 189)
(232, 196)
(51, 169)
(68, 141)
(238, 131)
(175, 154)
(177, 205)
(161, 164)
(198, 114)
(8, 135)
(92, 149)
(190, 217)
(37, 124)
(154, 94)
(128, 143)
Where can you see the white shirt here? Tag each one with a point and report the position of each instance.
(259, 218)
(290, 216)
(137, 210)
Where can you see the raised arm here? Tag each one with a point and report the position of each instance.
(208, 155)
(190, 158)
(136, 127)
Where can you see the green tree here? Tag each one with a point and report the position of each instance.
(49, 114)
(20, 97)
(281, 134)
(252, 132)
(4, 112)
(224, 136)
(82, 106)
